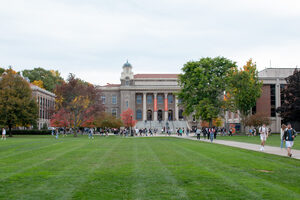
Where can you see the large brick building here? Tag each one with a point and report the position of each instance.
(153, 101)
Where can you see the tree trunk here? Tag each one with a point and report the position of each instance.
(9, 130)
(75, 132)
(210, 123)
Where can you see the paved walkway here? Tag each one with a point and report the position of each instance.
(254, 147)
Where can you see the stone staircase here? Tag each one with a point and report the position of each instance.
(159, 125)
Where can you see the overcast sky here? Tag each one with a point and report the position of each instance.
(94, 38)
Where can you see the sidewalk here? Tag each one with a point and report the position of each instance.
(254, 147)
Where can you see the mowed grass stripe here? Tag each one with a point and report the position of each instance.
(251, 161)
(19, 165)
(146, 168)
(258, 184)
(29, 147)
(101, 180)
(200, 181)
(152, 179)
(65, 169)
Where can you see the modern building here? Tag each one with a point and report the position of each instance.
(46, 102)
(271, 98)
(154, 104)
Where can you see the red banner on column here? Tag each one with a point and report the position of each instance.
(166, 104)
(155, 104)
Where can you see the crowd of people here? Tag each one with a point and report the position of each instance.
(287, 133)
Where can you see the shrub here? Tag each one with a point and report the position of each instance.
(31, 132)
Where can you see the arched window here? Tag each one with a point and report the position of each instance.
(149, 115)
(127, 81)
(159, 115)
(170, 115)
(138, 115)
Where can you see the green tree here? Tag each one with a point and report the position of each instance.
(2, 70)
(244, 90)
(203, 84)
(49, 78)
(17, 105)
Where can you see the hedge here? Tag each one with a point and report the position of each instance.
(30, 132)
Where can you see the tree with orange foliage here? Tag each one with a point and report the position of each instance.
(80, 100)
(127, 118)
(38, 83)
(60, 119)
(244, 89)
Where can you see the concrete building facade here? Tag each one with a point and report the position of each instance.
(46, 103)
(153, 101)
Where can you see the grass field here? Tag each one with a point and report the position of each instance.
(40, 167)
(273, 140)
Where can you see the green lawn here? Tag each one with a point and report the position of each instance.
(40, 167)
(273, 140)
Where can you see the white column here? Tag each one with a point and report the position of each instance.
(166, 102)
(144, 107)
(277, 104)
(155, 106)
(176, 108)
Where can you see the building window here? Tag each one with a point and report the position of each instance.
(160, 99)
(179, 101)
(149, 99)
(273, 100)
(114, 99)
(180, 114)
(114, 112)
(138, 99)
(170, 98)
(103, 99)
(127, 104)
(138, 115)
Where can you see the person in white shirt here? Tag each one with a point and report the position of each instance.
(3, 134)
(283, 128)
(263, 131)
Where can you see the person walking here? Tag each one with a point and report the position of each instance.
(215, 132)
(198, 132)
(283, 127)
(250, 132)
(263, 131)
(3, 134)
(211, 132)
(91, 132)
(289, 136)
(208, 133)
(56, 133)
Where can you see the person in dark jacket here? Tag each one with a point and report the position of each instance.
(289, 136)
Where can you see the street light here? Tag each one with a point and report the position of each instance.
(131, 125)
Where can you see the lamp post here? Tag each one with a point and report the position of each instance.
(131, 126)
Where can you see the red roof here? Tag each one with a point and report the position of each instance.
(112, 85)
(156, 75)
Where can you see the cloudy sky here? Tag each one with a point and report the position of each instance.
(93, 38)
